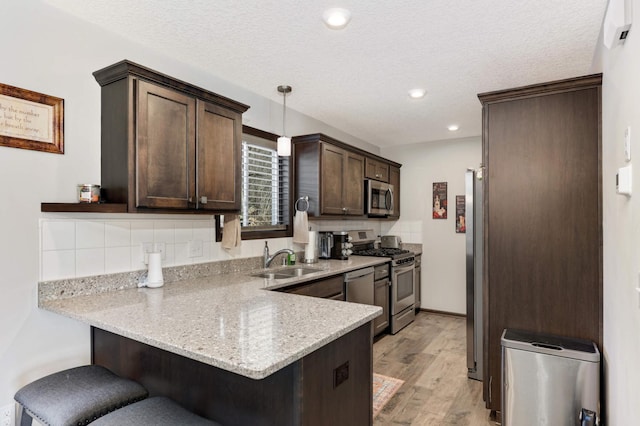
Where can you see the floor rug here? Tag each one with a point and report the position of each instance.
(384, 387)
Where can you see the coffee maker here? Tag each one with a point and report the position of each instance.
(334, 245)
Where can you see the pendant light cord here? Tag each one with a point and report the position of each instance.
(284, 114)
(284, 89)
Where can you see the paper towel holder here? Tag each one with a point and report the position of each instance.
(311, 249)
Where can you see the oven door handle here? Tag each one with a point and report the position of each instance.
(403, 268)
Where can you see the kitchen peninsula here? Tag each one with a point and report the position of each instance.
(227, 348)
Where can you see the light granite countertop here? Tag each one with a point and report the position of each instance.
(230, 321)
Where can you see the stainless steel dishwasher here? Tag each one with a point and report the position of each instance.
(358, 286)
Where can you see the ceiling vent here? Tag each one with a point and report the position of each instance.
(617, 22)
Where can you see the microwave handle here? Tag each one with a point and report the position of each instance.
(388, 199)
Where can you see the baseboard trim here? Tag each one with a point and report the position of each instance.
(434, 311)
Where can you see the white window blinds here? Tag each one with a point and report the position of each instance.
(265, 188)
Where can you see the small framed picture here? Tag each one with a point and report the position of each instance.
(461, 224)
(440, 200)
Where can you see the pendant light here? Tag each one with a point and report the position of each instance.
(284, 142)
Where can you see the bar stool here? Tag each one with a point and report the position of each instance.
(156, 411)
(76, 396)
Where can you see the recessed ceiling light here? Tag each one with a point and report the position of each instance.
(336, 18)
(453, 127)
(417, 93)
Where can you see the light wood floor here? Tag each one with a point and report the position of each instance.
(430, 356)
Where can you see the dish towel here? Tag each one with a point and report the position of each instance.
(301, 228)
(231, 232)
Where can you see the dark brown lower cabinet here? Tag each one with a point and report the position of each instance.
(327, 288)
(381, 298)
(331, 386)
(542, 215)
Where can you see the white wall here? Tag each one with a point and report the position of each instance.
(443, 260)
(621, 224)
(46, 51)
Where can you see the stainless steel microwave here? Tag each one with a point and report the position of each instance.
(379, 198)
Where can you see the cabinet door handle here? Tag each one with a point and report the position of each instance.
(203, 200)
(190, 199)
(344, 209)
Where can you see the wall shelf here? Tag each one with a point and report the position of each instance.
(83, 207)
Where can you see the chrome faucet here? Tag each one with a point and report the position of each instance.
(268, 259)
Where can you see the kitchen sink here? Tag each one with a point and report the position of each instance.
(296, 272)
(280, 274)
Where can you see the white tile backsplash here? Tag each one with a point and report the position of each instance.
(347, 225)
(181, 254)
(58, 235)
(141, 232)
(203, 230)
(183, 232)
(89, 234)
(117, 233)
(164, 231)
(76, 247)
(89, 262)
(137, 258)
(169, 258)
(58, 264)
(207, 253)
(117, 259)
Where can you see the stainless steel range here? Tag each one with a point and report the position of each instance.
(402, 279)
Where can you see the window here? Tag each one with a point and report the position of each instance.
(265, 187)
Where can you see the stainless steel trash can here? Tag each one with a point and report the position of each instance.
(549, 380)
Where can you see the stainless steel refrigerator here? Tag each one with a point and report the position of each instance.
(474, 246)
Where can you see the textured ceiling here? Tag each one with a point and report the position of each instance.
(357, 79)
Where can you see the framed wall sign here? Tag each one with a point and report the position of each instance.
(440, 200)
(461, 224)
(31, 120)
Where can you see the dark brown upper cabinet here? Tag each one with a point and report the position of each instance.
(342, 181)
(331, 175)
(167, 144)
(377, 170)
(394, 179)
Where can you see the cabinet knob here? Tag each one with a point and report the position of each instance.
(190, 199)
(203, 200)
(344, 209)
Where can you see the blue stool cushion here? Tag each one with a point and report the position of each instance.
(156, 411)
(78, 396)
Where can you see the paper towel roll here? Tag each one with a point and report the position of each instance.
(310, 255)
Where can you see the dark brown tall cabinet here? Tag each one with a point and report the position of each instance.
(167, 144)
(542, 215)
